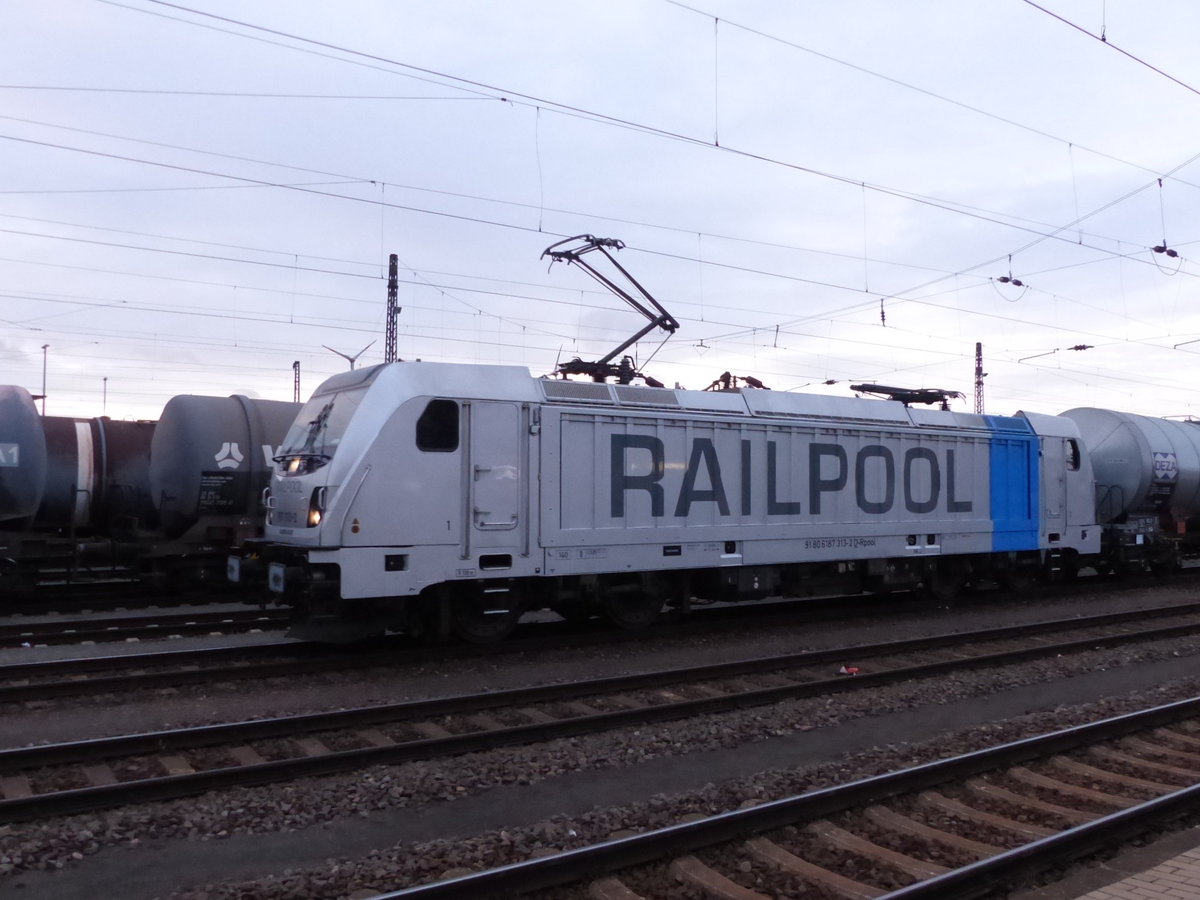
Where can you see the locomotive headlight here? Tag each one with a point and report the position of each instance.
(316, 507)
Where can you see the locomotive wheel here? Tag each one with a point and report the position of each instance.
(483, 617)
(572, 613)
(947, 580)
(1017, 579)
(631, 607)
(1070, 570)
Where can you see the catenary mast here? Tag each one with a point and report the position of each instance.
(389, 344)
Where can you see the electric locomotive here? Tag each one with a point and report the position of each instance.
(440, 498)
(437, 499)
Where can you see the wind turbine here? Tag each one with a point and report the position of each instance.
(346, 356)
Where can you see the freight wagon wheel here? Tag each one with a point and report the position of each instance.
(631, 607)
(1164, 567)
(16, 583)
(483, 616)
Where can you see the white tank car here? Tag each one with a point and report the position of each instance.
(441, 497)
(1147, 474)
(1141, 464)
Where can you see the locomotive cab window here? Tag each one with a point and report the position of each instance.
(437, 428)
(1072, 455)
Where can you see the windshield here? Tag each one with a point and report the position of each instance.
(317, 431)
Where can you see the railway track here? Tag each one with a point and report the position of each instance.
(140, 627)
(82, 597)
(91, 676)
(106, 628)
(84, 606)
(970, 826)
(42, 680)
(83, 676)
(55, 779)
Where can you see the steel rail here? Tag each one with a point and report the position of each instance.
(981, 878)
(69, 670)
(178, 667)
(575, 866)
(80, 665)
(460, 704)
(206, 735)
(536, 635)
(119, 628)
(87, 798)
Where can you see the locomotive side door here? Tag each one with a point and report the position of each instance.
(497, 479)
(1054, 487)
(1067, 503)
(1066, 485)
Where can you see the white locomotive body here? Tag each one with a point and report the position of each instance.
(439, 497)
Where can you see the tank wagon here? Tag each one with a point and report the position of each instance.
(444, 498)
(210, 461)
(96, 499)
(22, 458)
(83, 492)
(1147, 475)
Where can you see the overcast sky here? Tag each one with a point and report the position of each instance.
(192, 198)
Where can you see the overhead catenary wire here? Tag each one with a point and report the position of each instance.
(472, 219)
(907, 85)
(396, 63)
(1103, 39)
(479, 220)
(768, 267)
(541, 102)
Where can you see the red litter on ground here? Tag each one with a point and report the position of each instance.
(848, 670)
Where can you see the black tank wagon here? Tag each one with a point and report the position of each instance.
(97, 500)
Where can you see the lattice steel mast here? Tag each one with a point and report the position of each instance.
(389, 343)
(979, 376)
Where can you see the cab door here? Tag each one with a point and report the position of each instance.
(1054, 485)
(1080, 491)
(497, 476)
(1068, 499)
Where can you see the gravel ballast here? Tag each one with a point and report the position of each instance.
(252, 831)
(382, 828)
